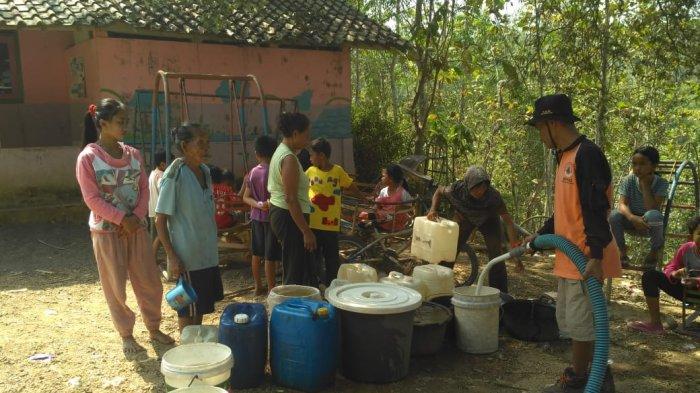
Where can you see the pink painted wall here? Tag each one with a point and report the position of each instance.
(128, 64)
(320, 78)
(45, 75)
(49, 121)
(85, 51)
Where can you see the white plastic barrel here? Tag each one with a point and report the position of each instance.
(207, 364)
(357, 272)
(281, 293)
(434, 241)
(438, 280)
(476, 318)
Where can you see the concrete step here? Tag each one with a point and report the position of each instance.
(54, 213)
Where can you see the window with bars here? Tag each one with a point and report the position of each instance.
(10, 79)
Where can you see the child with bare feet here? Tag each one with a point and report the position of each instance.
(114, 186)
(265, 245)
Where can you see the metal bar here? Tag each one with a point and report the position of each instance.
(684, 207)
(244, 127)
(677, 235)
(184, 105)
(377, 240)
(266, 128)
(232, 106)
(166, 107)
(173, 93)
(177, 75)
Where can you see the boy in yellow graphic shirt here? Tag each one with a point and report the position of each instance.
(327, 181)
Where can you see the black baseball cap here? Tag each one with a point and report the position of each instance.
(553, 107)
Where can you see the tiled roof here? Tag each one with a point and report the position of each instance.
(304, 23)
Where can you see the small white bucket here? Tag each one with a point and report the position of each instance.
(201, 364)
(477, 319)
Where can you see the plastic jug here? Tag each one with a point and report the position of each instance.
(199, 334)
(438, 280)
(304, 344)
(243, 328)
(403, 280)
(435, 242)
(357, 272)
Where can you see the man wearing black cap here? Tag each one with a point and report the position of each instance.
(582, 201)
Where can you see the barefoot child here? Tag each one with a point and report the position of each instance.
(266, 247)
(115, 188)
(326, 184)
(185, 222)
(154, 189)
(682, 272)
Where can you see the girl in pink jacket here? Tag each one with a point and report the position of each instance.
(114, 185)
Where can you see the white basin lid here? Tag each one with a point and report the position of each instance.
(374, 298)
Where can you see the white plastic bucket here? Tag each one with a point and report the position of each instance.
(281, 293)
(476, 317)
(201, 389)
(201, 364)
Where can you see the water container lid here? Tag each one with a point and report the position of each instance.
(241, 318)
(374, 298)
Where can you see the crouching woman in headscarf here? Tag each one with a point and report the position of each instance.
(479, 206)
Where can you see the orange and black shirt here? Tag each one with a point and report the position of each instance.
(582, 202)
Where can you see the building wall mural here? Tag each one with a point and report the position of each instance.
(50, 118)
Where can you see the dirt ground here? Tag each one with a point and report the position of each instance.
(51, 303)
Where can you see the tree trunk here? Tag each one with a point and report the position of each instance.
(392, 75)
(357, 71)
(603, 93)
(548, 173)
